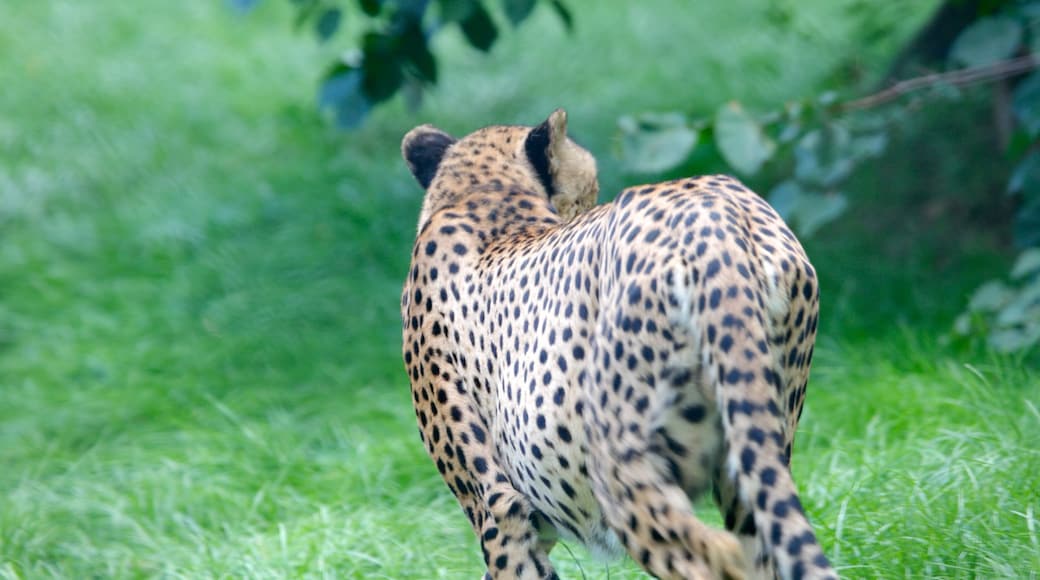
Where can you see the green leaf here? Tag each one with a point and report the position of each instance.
(806, 211)
(380, 66)
(1028, 263)
(456, 10)
(1025, 179)
(370, 7)
(341, 92)
(987, 41)
(479, 29)
(785, 198)
(1026, 227)
(1026, 104)
(740, 139)
(868, 146)
(328, 23)
(963, 324)
(654, 143)
(416, 52)
(816, 210)
(1023, 308)
(989, 297)
(1014, 339)
(824, 157)
(518, 10)
(564, 13)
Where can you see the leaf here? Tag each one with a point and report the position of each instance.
(328, 23)
(1014, 339)
(417, 53)
(564, 13)
(1028, 263)
(380, 67)
(655, 143)
(1023, 308)
(518, 10)
(1026, 177)
(740, 139)
(987, 41)
(962, 325)
(479, 29)
(370, 7)
(1026, 227)
(785, 198)
(807, 211)
(868, 146)
(456, 10)
(341, 92)
(816, 210)
(1026, 104)
(989, 297)
(823, 157)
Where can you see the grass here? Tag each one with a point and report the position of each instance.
(199, 372)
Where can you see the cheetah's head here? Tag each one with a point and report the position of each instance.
(539, 157)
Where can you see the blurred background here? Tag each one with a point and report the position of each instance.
(205, 223)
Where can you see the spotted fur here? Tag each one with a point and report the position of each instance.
(587, 377)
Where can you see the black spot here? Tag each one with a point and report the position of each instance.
(794, 547)
(642, 404)
(635, 294)
(501, 562)
(726, 343)
(747, 459)
(564, 433)
(558, 396)
(713, 268)
(567, 489)
(431, 248)
(694, 413)
(768, 477)
(480, 464)
(716, 297)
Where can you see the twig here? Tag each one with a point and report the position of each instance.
(958, 78)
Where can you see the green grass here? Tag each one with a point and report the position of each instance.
(199, 372)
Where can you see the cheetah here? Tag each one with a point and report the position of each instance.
(584, 371)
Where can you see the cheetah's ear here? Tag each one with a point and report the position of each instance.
(423, 148)
(542, 143)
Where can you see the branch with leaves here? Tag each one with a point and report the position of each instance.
(393, 53)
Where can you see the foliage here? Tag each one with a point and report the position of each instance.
(818, 142)
(1008, 315)
(393, 52)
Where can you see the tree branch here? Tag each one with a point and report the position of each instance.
(958, 78)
